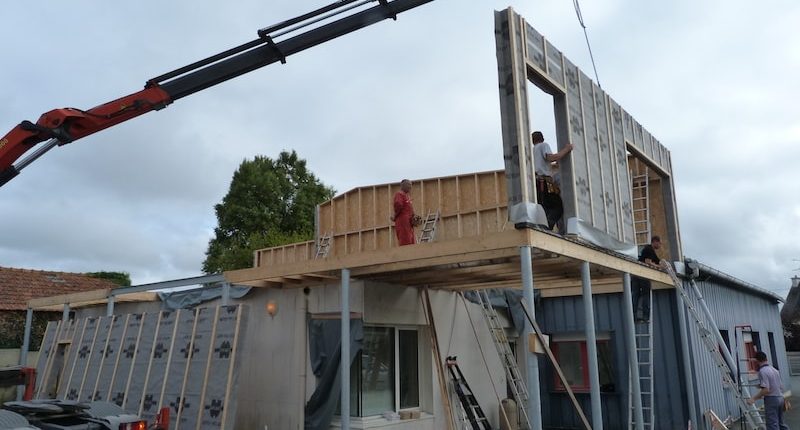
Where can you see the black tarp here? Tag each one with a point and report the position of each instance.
(324, 341)
(509, 299)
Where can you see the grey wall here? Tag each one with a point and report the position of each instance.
(731, 307)
(565, 315)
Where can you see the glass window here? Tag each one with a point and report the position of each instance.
(772, 351)
(385, 376)
(409, 369)
(573, 358)
(377, 371)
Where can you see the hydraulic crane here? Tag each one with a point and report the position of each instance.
(62, 126)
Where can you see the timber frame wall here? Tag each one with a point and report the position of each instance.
(358, 220)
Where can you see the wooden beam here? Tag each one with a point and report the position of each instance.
(122, 298)
(568, 248)
(419, 255)
(428, 255)
(69, 299)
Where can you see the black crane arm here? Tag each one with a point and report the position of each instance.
(61, 126)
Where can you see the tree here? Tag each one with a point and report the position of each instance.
(269, 203)
(123, 279)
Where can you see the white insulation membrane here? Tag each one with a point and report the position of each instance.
(185, 360)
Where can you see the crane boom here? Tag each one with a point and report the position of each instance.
(62, 126)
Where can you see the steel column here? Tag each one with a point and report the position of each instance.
(344, 370)
(591, 347)
(110, 306)
(687, 363)
(531, 361)
(26, 338)
(633, 356)
(226, 293)
(65, 314)
(26, 343)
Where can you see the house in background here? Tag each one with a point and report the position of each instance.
(17, 288)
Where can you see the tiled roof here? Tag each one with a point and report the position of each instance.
(17, 286)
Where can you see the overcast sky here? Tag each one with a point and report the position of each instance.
(715, 81)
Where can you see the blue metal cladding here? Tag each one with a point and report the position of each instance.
(565, 316)
(731, 307)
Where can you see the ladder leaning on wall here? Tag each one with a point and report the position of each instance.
(643, 334)
(428, 231)
(513, 374)
(749, 412)
(640, 201)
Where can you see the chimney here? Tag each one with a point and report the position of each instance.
(795, 281)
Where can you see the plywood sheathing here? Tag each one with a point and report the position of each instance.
(486, 261)
(359, 220)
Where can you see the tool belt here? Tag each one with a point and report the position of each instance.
(546, 184)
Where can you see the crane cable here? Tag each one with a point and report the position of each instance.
(586, 36)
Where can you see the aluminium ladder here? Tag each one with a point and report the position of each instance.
(473, 414)
(643, 335)
(323, 246)
(640, 201)
(749, 412)
(513, 374)
(428, 232)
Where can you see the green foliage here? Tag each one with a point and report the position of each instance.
(12, 328)
(122, 279)
(269, 203)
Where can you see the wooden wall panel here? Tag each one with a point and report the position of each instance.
(470, 225)
(354, 215)
(383, 202)
(359, 220)
(450, 196)
(468, 191)
(368, 208)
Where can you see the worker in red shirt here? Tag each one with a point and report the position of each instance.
(404, 214)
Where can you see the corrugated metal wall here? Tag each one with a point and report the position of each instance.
(565, 315)
(731, 307)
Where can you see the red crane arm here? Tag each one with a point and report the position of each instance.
(69, 124)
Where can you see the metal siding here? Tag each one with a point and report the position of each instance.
(731, 307)
(671, 411)
(565, 315)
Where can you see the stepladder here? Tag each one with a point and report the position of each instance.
(643, 336)
(473, 417)
(724, 365)
(514, 377)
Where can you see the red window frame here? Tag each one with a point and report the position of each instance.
(750, 352)
(584, 358)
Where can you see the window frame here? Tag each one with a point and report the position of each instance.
(358, 383)
(586, 387)
(751, 347)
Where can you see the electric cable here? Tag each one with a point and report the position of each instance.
(586, 36)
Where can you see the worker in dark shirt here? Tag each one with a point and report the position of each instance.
(640, 287)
